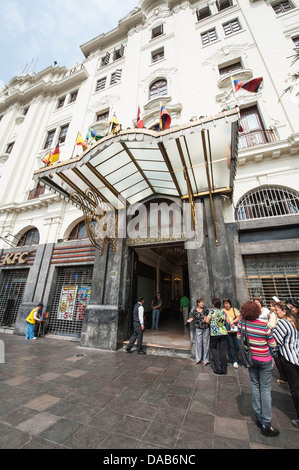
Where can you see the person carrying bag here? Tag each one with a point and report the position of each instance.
(255, 340)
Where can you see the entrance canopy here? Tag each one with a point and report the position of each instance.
(186, 161)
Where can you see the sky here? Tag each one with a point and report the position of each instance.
(35, 33)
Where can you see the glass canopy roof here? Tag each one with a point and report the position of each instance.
(125, 168)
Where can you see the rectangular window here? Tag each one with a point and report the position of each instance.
(118, 53)
(73, 97)
(158, 55)
(296, 42)
(60, 103)
(115, 77)
(101, 84)
(231, 27)
(105, 59)
(63, 134)
(226, 69)
(223, 4)
(209, 36)
(10, 147)
(103, 116)
(50, 138)
(157, 31)
(203, 13)
(282, 7)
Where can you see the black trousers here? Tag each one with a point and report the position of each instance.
(292, 374)
(137, 334)
(218, 350)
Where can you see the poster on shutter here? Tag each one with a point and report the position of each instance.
(83, 300)
(67, 302)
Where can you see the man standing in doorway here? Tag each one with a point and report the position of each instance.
(156, 305)
(185, 307)
(138, 323)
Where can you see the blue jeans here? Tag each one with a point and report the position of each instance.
(30, 331)
(155, 317)
(233, 346)
(260, 378)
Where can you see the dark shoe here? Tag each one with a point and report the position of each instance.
(217, 373)
(128, 350)
(269, 432)
(259, 424)
(141, 352)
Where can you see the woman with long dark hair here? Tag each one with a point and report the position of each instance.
(260, 339)
(286, 334)
(202, 348)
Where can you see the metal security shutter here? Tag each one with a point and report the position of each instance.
(70, 300)
(269, 276)
(11, 295)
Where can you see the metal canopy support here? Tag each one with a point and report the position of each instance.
(209, 183)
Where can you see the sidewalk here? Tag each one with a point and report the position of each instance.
(56, 395)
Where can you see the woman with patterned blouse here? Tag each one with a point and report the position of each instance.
(216, 319)
(202, 349)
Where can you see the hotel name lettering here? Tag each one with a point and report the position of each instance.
(15, 258)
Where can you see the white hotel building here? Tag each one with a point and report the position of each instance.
(183, 54)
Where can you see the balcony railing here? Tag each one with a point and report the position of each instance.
(36, 192)
(254, 138)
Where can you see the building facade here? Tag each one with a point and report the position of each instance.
(186, 55)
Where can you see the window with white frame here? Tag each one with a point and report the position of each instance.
(73, 97)
(105, 59)
(209, 36)
(203, 13)
(63, 134)
(158, 55)
(49, 139)
(9, 147)
(226, 69)
(223, 4)
(296, 42)
(116, 77)
(61, 102)
(101, 84)
(231, 27)
(282, 7)
(118, 53)
(103, 116)
(157, 31)
(158, 88)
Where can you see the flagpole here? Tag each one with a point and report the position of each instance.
(233, 89)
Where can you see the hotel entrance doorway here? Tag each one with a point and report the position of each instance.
(163, 269)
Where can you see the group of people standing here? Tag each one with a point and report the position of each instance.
(272, 334)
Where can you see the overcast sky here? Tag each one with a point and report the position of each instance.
(35, 33)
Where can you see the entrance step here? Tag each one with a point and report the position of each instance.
(7, 329)
(155, 350)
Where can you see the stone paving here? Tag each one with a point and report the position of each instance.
(56, 395)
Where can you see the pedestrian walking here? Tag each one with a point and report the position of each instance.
(32, 318)
(138, 323)
(184, 308)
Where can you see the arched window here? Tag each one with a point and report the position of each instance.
(31, 237)
(158, 88)
(267, 201)
(79, 231)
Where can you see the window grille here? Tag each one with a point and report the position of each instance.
(282, 7)
(49, 140)
(223, 4)
(101, 84)
(116, 76)
(71, 297)
(73, 97)
(158, 88)
(272, 275)
(105, 59)
(231, 27)
(271, 201)
(11, 295)
(157, 31)
(209, 36)
(226, 69)
(158, 55)
(31, 237)
(203, 13)
(63, 134)
(61, 102)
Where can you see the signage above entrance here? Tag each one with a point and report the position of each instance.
(15, 258)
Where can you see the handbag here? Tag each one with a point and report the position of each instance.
(245, 351)
(228, 327)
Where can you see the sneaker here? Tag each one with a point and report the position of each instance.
(269, 432)
(295, 422)
(34, 337)
(235, 364)
(141, 352)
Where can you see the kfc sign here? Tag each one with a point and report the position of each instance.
(15, 258)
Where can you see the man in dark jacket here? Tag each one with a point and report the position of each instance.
(138, 323)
